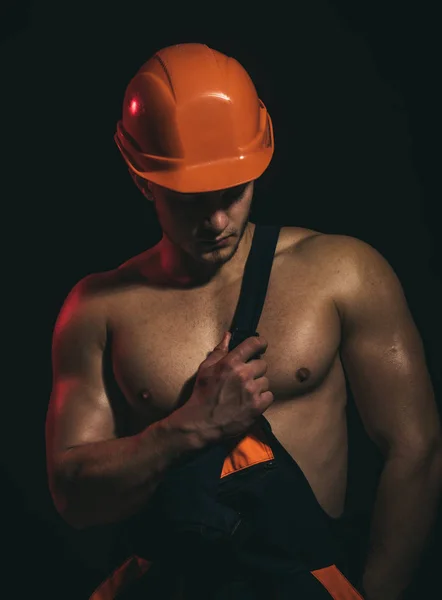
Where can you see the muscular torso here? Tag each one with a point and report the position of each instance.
(160, 335)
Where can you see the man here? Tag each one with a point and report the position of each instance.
(195, 137)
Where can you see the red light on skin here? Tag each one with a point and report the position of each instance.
(134, 106)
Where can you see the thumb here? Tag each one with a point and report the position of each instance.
(224, 343)
(220, 349)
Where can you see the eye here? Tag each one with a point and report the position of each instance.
(235, 193)
(182, 199)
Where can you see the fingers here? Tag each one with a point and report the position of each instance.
(249, 348)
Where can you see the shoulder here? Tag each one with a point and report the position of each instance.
(352, 261)
(98, 288)
(91, 289)
(83, 307)
(338, 254)
(292, 239)
(88, 300)
(94, 295)
(362, 283)
(348, 265)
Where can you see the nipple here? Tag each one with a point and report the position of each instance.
(144, 395)
(302, 374)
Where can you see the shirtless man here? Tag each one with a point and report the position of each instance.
(334, 309)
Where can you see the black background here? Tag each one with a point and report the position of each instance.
(354, 93)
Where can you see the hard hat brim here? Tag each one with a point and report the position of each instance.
(211, 176)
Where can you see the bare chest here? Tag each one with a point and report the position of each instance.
(161, 337)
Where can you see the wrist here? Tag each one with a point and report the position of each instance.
(183, 436)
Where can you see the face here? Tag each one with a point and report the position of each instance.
(193, 222)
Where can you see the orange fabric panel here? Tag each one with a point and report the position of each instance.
(336, 584)
(130, 570)
(250, 450)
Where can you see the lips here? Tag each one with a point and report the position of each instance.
(217, 241)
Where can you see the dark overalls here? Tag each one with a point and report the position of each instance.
(238, 520)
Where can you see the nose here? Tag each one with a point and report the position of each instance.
(215, 215)
(217, 221)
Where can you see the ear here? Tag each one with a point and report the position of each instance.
(143, 185)
(148, 191)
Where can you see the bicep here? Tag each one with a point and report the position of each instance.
(388, 376)
(79, 408)
(384, 357)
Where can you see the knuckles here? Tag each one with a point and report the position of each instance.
(250, 386)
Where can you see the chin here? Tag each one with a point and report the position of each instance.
(220, 255)
(217, 255)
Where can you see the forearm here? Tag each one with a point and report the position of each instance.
(105, 482)
(404, 511)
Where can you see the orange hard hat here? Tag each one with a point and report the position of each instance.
(192, 121)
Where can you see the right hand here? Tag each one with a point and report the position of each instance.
(230, 391)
